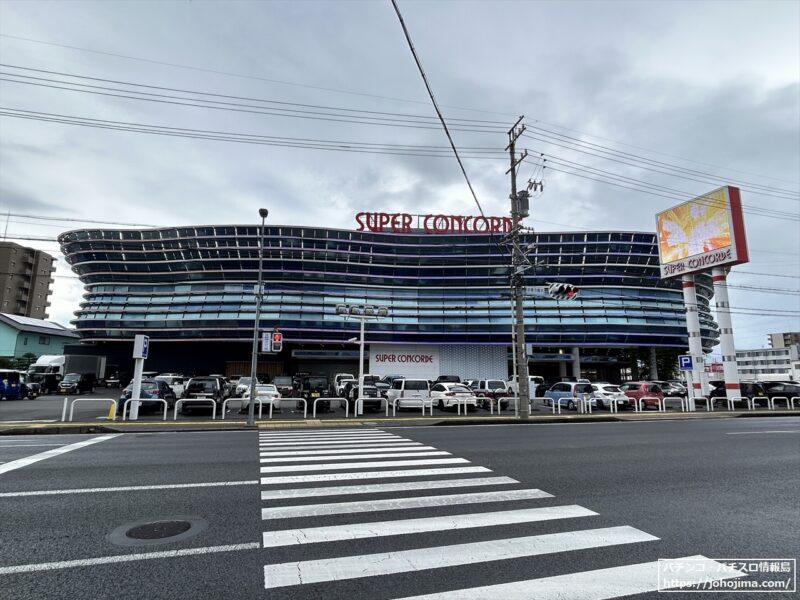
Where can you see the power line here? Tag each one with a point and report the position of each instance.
(240, 75)
(683, 195)
(353, 147)
(252, 109)
(227, 96)
(436, 106)
(765, 274)
(647, 163)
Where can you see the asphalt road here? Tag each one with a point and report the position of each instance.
(592, 502)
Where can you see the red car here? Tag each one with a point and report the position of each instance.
(636, 390)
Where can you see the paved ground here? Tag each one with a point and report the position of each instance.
(595, 506)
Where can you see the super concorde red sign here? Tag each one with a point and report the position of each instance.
(379, 222)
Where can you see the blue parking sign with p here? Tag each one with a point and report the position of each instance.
(685, 362)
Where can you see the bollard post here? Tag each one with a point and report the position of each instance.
(64, 410)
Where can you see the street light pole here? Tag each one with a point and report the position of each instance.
(251, 409)
(360, 361)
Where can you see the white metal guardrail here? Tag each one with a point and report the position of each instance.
(213, 406)
(685, 406)
(72, 405)
(225, 405)
(499, 401)
(331, 401)
(734, 399)
(766, 399)
(784, 398)
(305, 406)
(793, 399)
(584, 403)
(127, 403)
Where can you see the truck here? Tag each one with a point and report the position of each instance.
(49, 369)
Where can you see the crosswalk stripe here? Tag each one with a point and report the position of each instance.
(362, 506)
(349, 450)
(339, 443)
(410, 454)
(336, 446)
(331, 438)
(286, 479)
(355, 531)
(363, 465)
(369, 565)
(376, 488)
(324, 433)
(599, 584)
(320, 431)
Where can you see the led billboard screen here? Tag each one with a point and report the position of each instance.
(702, 233)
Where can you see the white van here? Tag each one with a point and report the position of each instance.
(411, 393)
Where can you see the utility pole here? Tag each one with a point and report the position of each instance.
(518, 265)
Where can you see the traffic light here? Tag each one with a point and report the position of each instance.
(276, 342)
(562, 291)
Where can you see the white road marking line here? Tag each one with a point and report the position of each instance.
(417, 446)
(303, 440)
(362, 506)
(128, 488)
(300, 434)
(121, 558)
(412, 453)
(324, 445)
(369, 565)
(24, 462)
(363, 465)
(756, 432)
(320, 431)
(376, 488)
(31, 421)
(600, 584)
(372, 475)
(28, 445)
(355, 531)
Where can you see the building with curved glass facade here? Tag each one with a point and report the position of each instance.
(192, 288)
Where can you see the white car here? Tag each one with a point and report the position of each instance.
(534, 383)
(409, 393)
(176, 382)
(607, 394)
(242, 386)
(339, 385)
(448, 395)
(267, 393)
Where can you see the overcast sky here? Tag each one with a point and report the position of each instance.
(712, 87)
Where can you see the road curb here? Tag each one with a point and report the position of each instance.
(37, 428)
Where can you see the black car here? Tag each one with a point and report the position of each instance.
(77, 383)
(200, 390)
(313, 387)
(747, 389)
(781, 389)
(151, 389)
(448, 379)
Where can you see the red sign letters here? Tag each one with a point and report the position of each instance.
(379, 222)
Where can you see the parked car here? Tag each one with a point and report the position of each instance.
(151, 388)
(202, 388)
(77, 383)
(448, 395)
(242, 386)
(383, 387)
(489, 390)
(535, 385)
(672, 389)
(370, 394)
(336, 384)
(313, 387)
(12, 386)
(342, 386)
(649, 391)
(781, 389)
(747, 389)
(409, 393)
(607, 394)
(284, 385)
(176, 382)
(266, 392)
(564, 393)
(448, 379)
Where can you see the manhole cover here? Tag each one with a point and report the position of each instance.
(164, 530)
(158, 530)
